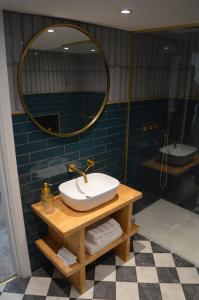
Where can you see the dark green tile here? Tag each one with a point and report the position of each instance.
(39, 155)
(32, 147)
(21, 139)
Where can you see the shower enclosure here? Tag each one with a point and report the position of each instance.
(163, 160)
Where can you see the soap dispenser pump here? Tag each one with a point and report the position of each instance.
(47, 198)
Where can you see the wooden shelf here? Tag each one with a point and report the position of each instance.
(50, 248)
(65, 220)
(155, 165)
(66, 227)
(133, 229)
(90, 258)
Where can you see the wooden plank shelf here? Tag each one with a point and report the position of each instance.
(67, 227)
(155, 165)
(65, 220)
(50, 248)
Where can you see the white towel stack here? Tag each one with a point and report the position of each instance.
(67, 256)
(101, 234)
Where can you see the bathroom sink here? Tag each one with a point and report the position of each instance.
(179, 154)
(83, 196)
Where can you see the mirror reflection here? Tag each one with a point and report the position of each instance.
(64, 80)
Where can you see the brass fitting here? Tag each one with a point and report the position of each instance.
(73, 169)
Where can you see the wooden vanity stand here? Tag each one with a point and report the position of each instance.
(66, 227)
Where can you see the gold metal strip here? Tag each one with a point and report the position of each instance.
(20, 80)
(129, 95)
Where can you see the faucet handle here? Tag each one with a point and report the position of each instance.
(90, 163)
(71, 168)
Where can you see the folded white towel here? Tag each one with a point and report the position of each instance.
(67, 255)
(103, 237)
(93, 248)
(102, 230)
(104, 242)
(66, 262)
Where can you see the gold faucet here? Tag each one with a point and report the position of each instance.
(73, 169)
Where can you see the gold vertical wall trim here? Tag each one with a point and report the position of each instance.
(129, 95)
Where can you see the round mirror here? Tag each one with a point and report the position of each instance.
(63, 80)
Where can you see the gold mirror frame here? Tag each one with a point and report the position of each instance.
(20, 81)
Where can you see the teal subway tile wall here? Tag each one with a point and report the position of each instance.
(144, 144)
(45, 160)
(41, 157)
(70, 118)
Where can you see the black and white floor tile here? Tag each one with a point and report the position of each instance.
(151, 273)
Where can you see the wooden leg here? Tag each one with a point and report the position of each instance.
(78, 280)
(124, 216)
(76, 243)
(123, 250)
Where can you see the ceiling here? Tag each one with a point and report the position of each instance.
(146, 14)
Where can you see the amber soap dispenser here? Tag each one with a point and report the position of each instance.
(47, 198)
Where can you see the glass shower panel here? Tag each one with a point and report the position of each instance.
(165, 115)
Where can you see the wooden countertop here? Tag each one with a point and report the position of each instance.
(153, 164)
(64, 220)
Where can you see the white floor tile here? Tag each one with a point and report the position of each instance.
(188, 275)
(11, 296)
(130, 262)
(163, 260)
(142, 247)
(38, 286)
(147, 275)
(105, 273)
(171, 291)
(127, 291)
(87, 295)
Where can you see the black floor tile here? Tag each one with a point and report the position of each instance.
(106, 259)
(158, 249)
(17, 285)
(126, 273)
(41, 273)
(168, 275)
(59, 288)
(90, 272)
(104, 290)
(144, 259)
(191, 291)
(181, 262)
(149, 291)
(33, 297)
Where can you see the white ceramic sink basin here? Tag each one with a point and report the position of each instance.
(83, 196)
(178, 150)
(179, 154)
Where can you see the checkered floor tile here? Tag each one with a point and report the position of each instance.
(151, 272)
